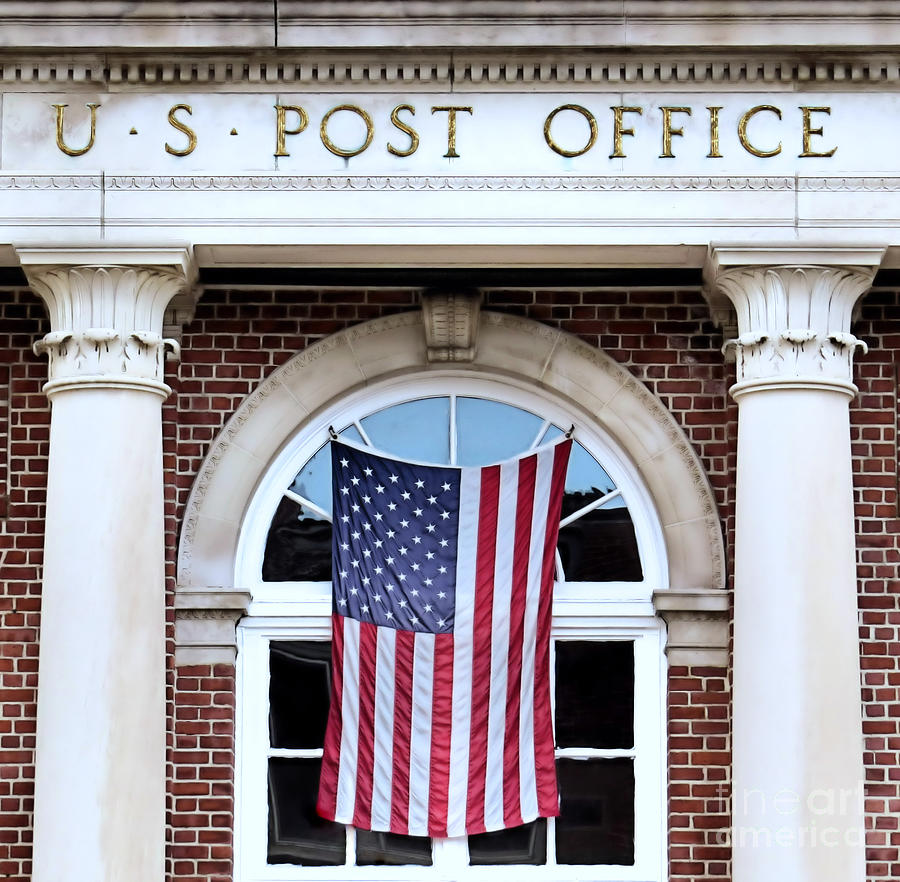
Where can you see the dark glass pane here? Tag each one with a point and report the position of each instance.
(313, 481)
(299, 691)
(596, 823)
(298, 547)
(417, 430)
(297, 835)
(490, 431)
(518, 845)
(391, 849)
(594, 693)
(600, 546)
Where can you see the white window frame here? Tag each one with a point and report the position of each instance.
(582, 610)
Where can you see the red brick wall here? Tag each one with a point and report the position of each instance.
(238, 338)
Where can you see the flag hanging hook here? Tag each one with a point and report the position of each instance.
(571, 431)
(332, 434)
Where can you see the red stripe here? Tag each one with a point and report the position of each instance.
(545, 767)
(512, 804)
(403, 676)
(365, 761)
(331, 758)
(441, 720)
(481, 646)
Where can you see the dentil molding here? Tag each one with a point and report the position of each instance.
(106, 311)
(794, 308)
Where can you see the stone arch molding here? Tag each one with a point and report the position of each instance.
(694, 604)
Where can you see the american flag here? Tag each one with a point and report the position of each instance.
(440, 722)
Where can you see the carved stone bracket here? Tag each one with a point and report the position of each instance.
(205, 624)
(698, 624)
(107, 310)
(793, 318)
(451, 325)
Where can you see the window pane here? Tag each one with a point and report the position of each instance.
(313, 481)
(391, 849)
(297, 835)
(585, 480)
(418, 430)
(299, 691)
(298, 547)
(518, 845)
(594, 693)
(489, 431)
(600, 547)
(596, 824)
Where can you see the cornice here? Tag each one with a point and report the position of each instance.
(465, 69)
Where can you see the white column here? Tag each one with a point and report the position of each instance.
(798, 770)
(100, 759)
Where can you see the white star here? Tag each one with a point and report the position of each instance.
(427, 607)
(378, 543)
(389, 588)
(414, 592)
(431, 528)
(345, 490)
(343, 574)
(442, 570)
(389, 615)
(420, 484)
(344, 463)
(442, 594)
(404, 524)
(367, 499)
(429, 555)
(354, 507)
(390, 534)
(379, 489)
(354, 591)
(367, 526)
(392, 506)
(366, 580)
(367, 552)
(415, 566)
(405, 494)
(364, 608)
(367, 472)
(354, 534)
(393, 479)
(402, 577)
(345, 546)
(403, 604)
(444, 543)
(378, 570)
(378, 515)
(389, 561)
(355, 564)
(432, 499)
(376, 598)
(342, 602)
(417, 512)
(417, 539)
(345, 519)
(445, 515)
(403, 549)
(440, 623)
(445, 486)
(414, 620)
(354, 480)
(428, 581)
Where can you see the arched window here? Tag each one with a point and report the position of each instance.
(606, 663)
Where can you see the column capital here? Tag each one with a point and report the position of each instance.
(106, 309)
(794, 306)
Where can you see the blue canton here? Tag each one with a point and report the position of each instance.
(395, 540)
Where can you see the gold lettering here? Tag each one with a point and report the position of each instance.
(407, 130)
(742, 130)
(184, 129)
(338, 151)
(451, 127)
(808, 132)
(60, 139)
(619, 130)
(713, 133)
(281, 129)
(668, 131)
(590, 121)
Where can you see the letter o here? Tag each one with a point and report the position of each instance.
(329, 145)
(590, 120)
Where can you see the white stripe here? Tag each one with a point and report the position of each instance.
(346, 786)
(420, 736)
(463, 627)
(384, 729)
(527, 780)
(503, 573)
